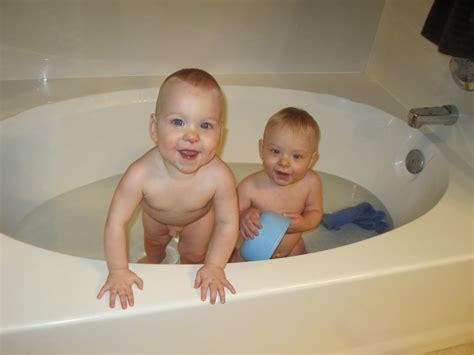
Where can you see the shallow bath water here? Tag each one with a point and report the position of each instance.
(73, 222)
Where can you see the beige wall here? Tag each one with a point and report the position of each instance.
(98, 38)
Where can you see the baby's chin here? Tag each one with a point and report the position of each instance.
(282, 182)
(191, 166)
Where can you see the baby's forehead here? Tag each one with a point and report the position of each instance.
(289, 130)
(177, 91)
(177, 85)
(297, 137)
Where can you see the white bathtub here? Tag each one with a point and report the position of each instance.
(407, 290)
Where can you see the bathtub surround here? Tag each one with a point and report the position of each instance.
(47, 39)
(409, 66)
(412, 70)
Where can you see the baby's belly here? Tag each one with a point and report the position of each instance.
(287, 244)
(176, 218)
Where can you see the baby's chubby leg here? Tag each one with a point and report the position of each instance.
(157, 237)
(194, 239)
(299, 248)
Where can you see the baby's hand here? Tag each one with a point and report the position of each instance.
(119, 282)
(250, 223)
(212, 277)
(297, 222)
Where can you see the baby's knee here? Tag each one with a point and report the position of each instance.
(191, 255)
(157, 241)
(236, 257)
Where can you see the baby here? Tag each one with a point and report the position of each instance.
(287, 184)
(182, 187)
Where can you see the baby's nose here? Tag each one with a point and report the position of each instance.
(191, 136)
(284, 161)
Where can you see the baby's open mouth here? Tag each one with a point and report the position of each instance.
(188, 154)
(282, 175)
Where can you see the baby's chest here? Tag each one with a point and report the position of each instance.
(280, 201)
(179, 197)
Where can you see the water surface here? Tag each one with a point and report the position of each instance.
(73, 223)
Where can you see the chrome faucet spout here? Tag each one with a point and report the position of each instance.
(445, 115)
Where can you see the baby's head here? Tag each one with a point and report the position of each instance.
(196, 78)
(187, 123)
(289, 147)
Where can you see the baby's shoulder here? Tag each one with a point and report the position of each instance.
(312, 178)
(144, 164)
(217, 169)
(252, 181)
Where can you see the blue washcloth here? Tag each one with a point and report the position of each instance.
(364, 215)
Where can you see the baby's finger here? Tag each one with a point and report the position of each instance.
(213, 293)
(246, 233)
(123, 299)
(102, 291)
(139, 282)
(197, 281)
(256, 220)
(221, 294)
(229, 286)
(130, 298)
(254, 230)
(204, 288)
(112, 296)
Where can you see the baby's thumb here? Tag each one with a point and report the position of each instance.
(139, 283)
(197, 282)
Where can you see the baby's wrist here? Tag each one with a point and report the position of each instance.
(214, 264)
(117, 270)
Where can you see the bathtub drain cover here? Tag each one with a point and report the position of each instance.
(415, 161)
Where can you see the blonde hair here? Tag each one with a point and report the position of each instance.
(195, 77)
(297, 120)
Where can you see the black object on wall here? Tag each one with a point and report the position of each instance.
(450, 25)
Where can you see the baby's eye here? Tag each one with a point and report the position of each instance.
(177, 122)
(206, 125)
(297, 156)
(274, 151)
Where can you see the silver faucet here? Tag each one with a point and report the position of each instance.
(446, 115)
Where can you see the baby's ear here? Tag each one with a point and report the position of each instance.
(260, 148)
(314, 158)
(153, 128)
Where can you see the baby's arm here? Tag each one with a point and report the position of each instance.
(249, 216)
(126, 198)
(313, 211)
(211, 275)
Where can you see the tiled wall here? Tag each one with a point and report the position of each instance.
(409, 67)
(99, 38)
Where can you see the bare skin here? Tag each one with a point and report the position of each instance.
(286, 185)
(182, 187)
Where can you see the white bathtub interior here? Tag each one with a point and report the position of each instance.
(73, 222)
(61, 149)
